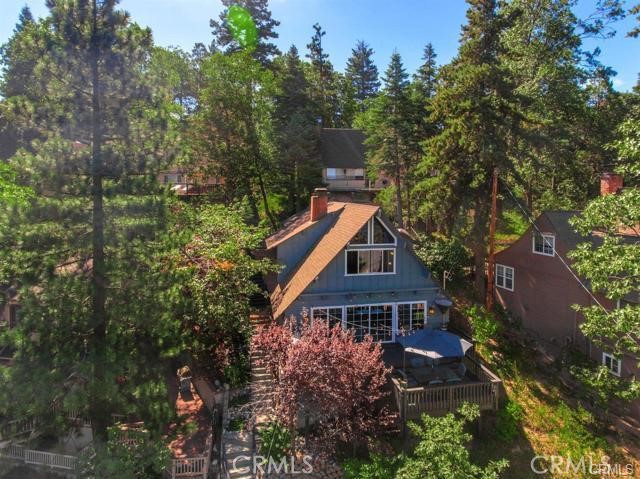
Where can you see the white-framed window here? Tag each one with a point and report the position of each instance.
(374, 232)
(544, 243)
(411, 316)
(332, 314)
(332, 173)
(374, 319)
(613, 364)
(505, 277)
(370, 261)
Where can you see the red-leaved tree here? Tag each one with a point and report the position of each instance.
(327, 376)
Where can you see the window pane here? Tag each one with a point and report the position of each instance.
(380, 233)
(319, 313)
(537, 242)
(417, 316)
(404, 317)
(388, 261)
(381, 322)
(335, 316)
(358, 319)
(376, 261)
(363, 261)
(352, 262)
(362, 237)
(508, 283)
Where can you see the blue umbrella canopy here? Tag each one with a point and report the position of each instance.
(434, 344)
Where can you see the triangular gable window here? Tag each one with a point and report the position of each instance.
(374, 232)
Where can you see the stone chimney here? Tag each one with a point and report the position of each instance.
(610, 183)
(319, 203)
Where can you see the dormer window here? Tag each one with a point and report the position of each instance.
(374, 232)
(544, 243)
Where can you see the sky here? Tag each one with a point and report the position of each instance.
(404, 25)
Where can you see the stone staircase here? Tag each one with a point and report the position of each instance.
(239, 445)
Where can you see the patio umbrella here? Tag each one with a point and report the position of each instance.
(434, 344)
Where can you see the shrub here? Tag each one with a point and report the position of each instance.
(508, 420)
(376, 467)
(276, 440)
(484, 324)
(442, 254)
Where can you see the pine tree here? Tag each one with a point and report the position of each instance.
(474, 103)
(425, 78)
(265, 50)
(362, 73)
(322, 78)
(387, 127)
(18, 62)
(86, 243)
(297, 135)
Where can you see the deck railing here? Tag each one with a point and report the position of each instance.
(483, 390)
(39, 458)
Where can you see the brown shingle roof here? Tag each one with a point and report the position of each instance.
(296, 224)
(350, 219)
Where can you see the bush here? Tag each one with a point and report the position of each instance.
(484, 324)
(376, 467)
(441, 254)
(276, 440)
(508, 421)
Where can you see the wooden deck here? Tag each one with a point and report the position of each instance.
(480, 386)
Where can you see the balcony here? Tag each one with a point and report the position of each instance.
(351, 183)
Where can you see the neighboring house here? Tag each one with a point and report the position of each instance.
(342, 155)
(185, 184)
(537, 288)
(347, 263)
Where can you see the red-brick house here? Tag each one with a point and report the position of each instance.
(535, 283)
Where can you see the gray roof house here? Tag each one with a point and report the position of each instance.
(343, 160)
(347, 264)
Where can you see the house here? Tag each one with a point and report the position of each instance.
(184, 183)
(342, 155)
(347, 264)
(535, 283)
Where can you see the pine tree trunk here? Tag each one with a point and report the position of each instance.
(478, 245)
(98, 411)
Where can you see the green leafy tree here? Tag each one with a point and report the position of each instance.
(612, 265)
(442, 451)
(10, 192)
(362, 73)
(232, 134)
(474, 104)
(224, 40)
(216, 284)
(86, 243)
